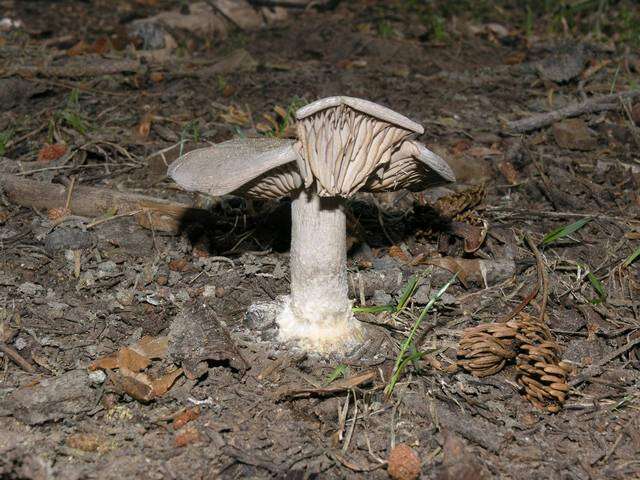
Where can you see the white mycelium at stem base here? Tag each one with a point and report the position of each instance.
(318, 312)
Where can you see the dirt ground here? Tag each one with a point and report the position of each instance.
(89, 99)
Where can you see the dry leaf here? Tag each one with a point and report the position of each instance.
(152, 347)
(451, 205)
(235, 116)
(105, 363)
(132, 360)
(137, 385)
(396, 252)
(163, 384)
(473, 235)
(143, 388)
(509, 172)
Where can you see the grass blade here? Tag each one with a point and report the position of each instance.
(597, 286)
(374, 309)
(565, 231)
(408, 291)
(631, 258)
(403, 359)
(338, 372)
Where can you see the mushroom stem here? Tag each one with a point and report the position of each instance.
(319, 311)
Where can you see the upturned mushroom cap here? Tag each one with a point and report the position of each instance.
(345, 145)
(257, 167)
(345, 139)
(414, 167)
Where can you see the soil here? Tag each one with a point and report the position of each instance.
(243, 406)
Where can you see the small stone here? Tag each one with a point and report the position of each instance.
(380, 297)
(30, 289)
(20, 343)
(107, 268)
(97, 377)
(209, 291)
(404, 463)
(574, 134)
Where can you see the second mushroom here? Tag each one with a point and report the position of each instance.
(344, 145)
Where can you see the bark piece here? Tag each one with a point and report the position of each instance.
(53, 398)
(154, 213)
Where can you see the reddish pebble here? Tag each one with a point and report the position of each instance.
(404, 463)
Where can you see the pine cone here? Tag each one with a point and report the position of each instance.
(485, 349)
(540, 370)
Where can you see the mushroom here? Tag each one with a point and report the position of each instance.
(344, 145)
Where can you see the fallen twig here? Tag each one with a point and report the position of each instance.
(596, 369)
(543, 280)
(163, 215)
(17, 358)
(335, 387)
(596, 104)
(551, 214)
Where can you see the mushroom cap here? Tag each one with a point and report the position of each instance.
(345, 144)
(414, 167)
(365, 106)
(257, 166)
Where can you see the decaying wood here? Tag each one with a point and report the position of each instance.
(153, 213)
(599, 104)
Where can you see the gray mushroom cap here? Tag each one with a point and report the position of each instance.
(235, 165)
(345, 145)
(365, 106)
(414, 167)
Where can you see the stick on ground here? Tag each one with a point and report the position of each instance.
(154, 213)
(597, 104)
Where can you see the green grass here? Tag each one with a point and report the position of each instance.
(407, 292)
(408, 345)
(74, 120)
(598, 287)
(5, 138)
(340, 371)
(70, 115)
(565, 231)
(631, 258)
